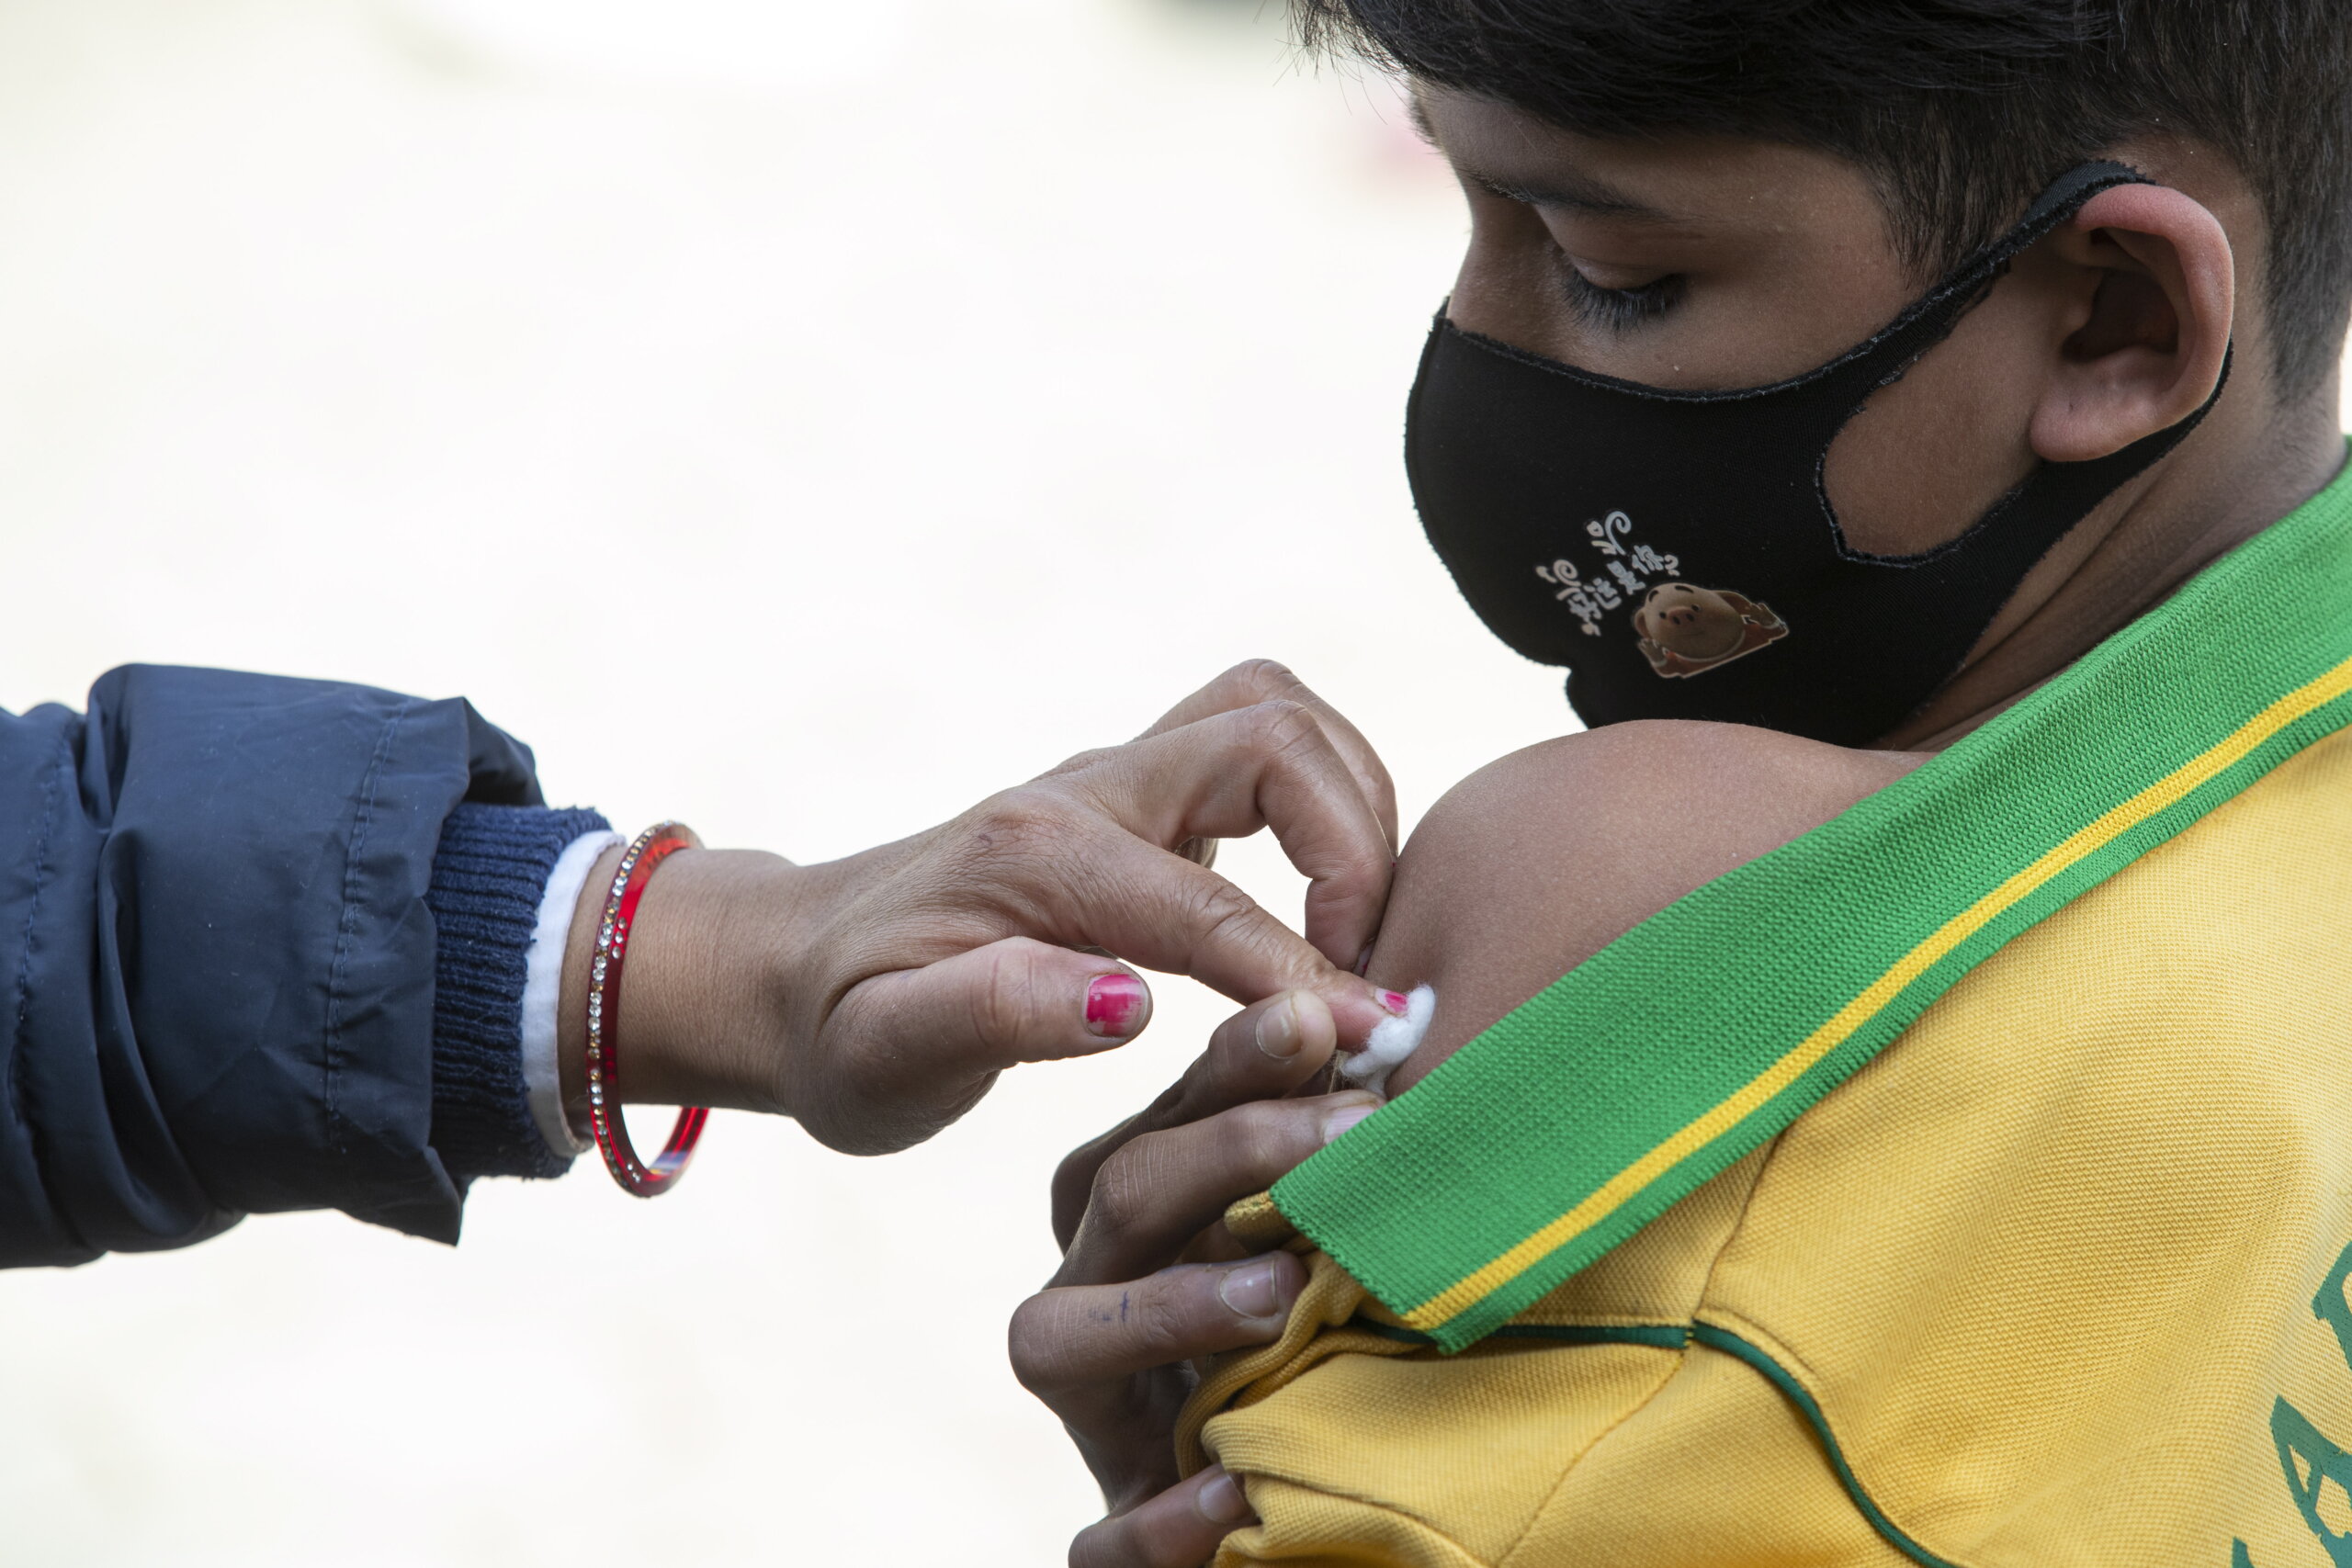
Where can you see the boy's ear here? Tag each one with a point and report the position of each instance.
(2152, 329)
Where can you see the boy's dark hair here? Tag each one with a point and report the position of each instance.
(1961, 111)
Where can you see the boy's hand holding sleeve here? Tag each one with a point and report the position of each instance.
(1104, 1343)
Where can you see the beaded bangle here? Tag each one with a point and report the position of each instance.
(653, 846)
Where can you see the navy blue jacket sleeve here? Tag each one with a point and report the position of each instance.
(490, 874)
(216, 957)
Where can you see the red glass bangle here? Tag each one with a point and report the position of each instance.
(652, 847)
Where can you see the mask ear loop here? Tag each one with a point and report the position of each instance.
(1933, 314)
(1983, 292)
(1941, 312)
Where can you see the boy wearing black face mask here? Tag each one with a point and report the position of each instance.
(1939, 1146)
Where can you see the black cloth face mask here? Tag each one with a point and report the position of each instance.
(1678, 551)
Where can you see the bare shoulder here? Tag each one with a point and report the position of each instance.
(1537, 861)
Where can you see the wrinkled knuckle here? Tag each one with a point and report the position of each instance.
(1219, 909)
(1110, 1199)
(1279, 729)
(1263, 1135)
(1082, 762)
(1263, 677)
(1032, 1348)
(1000, 1004)
(1161, 1330)
(1362, 878)
(1042, 1365)
(1280, 720)
(1020, 823)
(1118, 1200)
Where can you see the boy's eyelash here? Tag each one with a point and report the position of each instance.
(1619, 309)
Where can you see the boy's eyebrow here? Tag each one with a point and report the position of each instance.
(1575, 193)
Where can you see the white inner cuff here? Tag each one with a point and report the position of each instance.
(1392, 1040)
(543, 988)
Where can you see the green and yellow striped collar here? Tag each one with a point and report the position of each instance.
(1708, 1029)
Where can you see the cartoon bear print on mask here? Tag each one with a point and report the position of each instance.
(1685, 630)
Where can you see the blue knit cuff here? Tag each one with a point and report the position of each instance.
(489, 877)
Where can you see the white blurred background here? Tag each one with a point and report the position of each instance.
(928, 389)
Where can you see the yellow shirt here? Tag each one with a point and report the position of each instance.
(2057, 1278)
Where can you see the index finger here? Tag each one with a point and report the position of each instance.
(1159, 1190)
(1073, 1346)
(1271, 766)
(1257, 681)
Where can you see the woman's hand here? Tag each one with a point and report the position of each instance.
(1106, 1345)
(875, 999)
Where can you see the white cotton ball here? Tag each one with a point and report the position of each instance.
(1392, 1040)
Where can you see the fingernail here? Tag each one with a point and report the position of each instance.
(1278, 1035)
(1113, 1004)
(1345, 1117)
(1363, 960)
(1250, 1290)
(1395, 1002)
(1222, 1502)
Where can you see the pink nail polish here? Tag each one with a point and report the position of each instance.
(1115, 1005)
(1395, 1002)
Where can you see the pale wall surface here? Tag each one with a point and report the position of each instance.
(931, 390)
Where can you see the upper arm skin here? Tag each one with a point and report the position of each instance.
(1537, 861)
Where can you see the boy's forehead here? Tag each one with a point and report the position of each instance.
(1681, 180)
